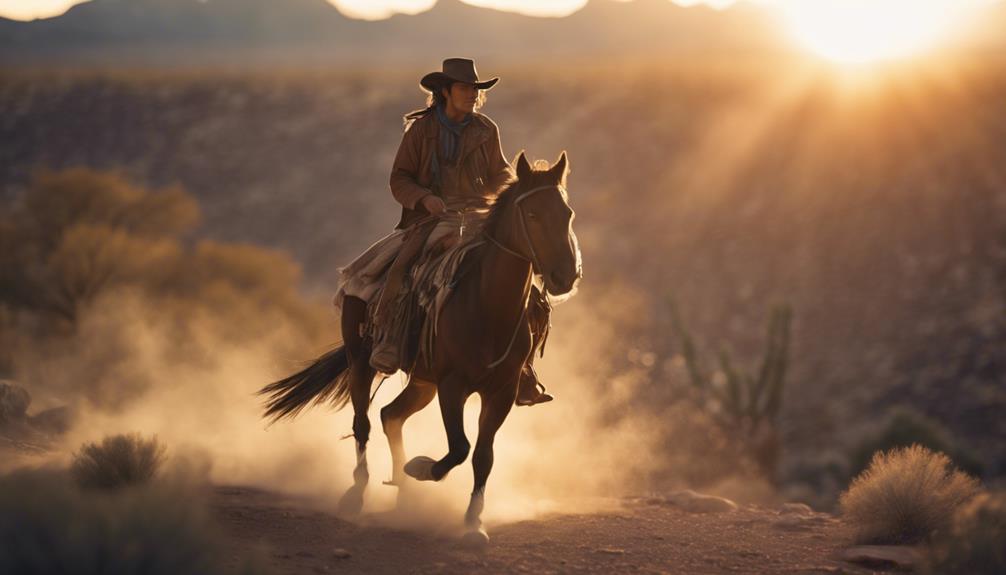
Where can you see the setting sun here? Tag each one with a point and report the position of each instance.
(871, 30)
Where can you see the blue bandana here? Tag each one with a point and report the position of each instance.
(450, 136)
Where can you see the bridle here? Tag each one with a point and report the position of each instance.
(533, 260)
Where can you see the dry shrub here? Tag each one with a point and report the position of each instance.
(905, 495)
(904, 427)
(976, 542)
(118, 461)
(49, 525)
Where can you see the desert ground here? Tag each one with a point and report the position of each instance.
(635, 535)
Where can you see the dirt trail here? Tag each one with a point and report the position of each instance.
(640, 536)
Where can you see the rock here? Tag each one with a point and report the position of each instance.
(883, 556)
(699, 503)
(340, 553)
(794, 524)
(14, 402)
(795, 508)
(801, 522)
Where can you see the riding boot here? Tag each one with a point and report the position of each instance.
(530, 390)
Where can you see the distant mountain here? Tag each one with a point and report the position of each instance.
(186, 32)
(180, 21)
(202, 31)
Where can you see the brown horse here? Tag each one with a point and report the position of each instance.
(483, 339)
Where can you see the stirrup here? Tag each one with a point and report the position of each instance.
(542, 397)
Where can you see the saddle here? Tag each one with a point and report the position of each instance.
(433, 281)
(425, 288)
(412, 288)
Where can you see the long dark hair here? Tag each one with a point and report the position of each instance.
(434, 99)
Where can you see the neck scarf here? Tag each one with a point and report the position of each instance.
(451, 134)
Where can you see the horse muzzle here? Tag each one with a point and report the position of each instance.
(562, 282)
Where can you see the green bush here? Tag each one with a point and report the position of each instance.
(49, 525)
(976, 542)
(118, 461)
(905, 495)
(905, 427)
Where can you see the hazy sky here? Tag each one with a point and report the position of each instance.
(28, 9)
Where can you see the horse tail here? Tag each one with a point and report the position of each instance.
(325, 380)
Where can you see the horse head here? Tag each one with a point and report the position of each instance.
(544, 219)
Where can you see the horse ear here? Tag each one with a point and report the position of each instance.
(560, 169)
(523, 168)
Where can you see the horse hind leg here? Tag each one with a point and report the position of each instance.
(362, 376)
(416, 395)
(354, 314)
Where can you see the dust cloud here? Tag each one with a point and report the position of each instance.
(196, 393)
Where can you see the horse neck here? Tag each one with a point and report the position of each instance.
(505, 278)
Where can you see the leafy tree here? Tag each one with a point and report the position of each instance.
(79, 232)
(82, 242)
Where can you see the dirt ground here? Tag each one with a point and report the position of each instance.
(635, 536)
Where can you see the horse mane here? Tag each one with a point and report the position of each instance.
(510, 193)
(500, 204)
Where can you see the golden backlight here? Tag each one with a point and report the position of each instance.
(859, 31)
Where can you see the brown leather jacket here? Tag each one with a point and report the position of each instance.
(482, 169)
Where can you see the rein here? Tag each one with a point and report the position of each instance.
(535, 265)
(517, 255)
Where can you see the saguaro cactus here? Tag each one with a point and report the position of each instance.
(746, 405)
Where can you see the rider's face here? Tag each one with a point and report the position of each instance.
(462, 97)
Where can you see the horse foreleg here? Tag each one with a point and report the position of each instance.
(452, 404)
(416, 395)
(362, 376)
(494, 411)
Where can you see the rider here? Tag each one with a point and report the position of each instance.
(448, 170)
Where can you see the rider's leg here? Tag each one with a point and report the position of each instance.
(530, 390)
(386, 354)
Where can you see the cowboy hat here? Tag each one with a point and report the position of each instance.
(456, 70)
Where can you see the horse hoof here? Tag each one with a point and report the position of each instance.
(476, 538)
(351, 503)
(420, 468)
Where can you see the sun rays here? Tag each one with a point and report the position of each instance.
(858, 31)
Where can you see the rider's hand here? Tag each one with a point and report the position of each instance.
(433, 204)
